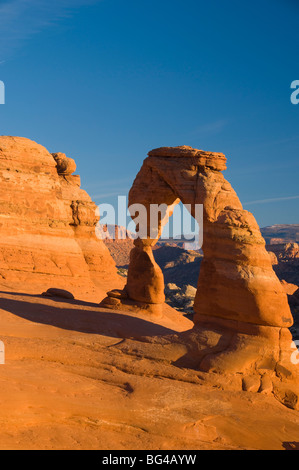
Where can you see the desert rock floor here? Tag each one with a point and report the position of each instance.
(81, 377)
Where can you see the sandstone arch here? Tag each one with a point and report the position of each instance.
(237, 281)
(241, 310)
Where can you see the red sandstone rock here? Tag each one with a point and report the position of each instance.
(215, 161)
(47, 223)
(64, 294)
(273, 257)
(289, 289)
(242, 313)
(65, 166)
(145, 278)
(236, 276)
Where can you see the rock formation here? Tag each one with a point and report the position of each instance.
(47, 223)
(242, 317)
(180, 299)
(287, 265)
(281, 234)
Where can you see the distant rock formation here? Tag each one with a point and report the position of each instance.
(180, 299)
(287, 264)
(285, 252)
(119, 242)
(242, 315)
(279, 234)
(179, 266)
(47, 223)
(114, 233)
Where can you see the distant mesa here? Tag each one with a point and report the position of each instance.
(279, 234)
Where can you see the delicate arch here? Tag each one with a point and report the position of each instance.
(241, 310)
(236, 280)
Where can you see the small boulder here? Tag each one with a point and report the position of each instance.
(110, 302)
(266, 387)
(65, 165)
(117, 294)
(251, 384)
(64, 294)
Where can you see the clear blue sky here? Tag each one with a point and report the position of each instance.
(106, 81)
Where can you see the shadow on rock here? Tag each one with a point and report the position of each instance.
(100, 322)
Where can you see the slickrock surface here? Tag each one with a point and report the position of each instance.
(47, 224)
(242, 316)
(80, 377)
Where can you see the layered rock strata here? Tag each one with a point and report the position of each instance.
(47, 223)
